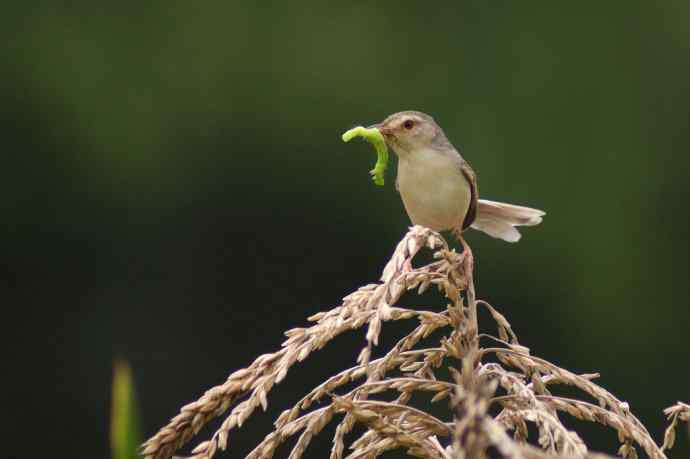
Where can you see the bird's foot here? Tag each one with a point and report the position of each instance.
(466, 257)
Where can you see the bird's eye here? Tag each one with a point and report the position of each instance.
(408, 124)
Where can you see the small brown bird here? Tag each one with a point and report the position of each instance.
(439, 188)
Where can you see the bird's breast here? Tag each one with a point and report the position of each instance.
(434, 191)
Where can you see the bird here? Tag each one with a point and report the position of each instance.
(438, 186)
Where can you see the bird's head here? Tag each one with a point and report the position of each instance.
(410, 131)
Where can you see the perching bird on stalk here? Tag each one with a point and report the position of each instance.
(439, 188)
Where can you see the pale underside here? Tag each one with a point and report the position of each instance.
(433, 190)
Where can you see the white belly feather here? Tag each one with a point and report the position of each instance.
(433, 190)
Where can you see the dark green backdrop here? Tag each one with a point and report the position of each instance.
(175, 191)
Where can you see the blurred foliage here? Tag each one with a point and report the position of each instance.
(125, 422)
(152, 181)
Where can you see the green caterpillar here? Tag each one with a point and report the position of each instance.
(374, 137)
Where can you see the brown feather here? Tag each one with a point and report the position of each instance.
(472, 178)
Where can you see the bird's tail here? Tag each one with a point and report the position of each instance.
(499, 220)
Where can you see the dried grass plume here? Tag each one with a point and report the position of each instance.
(499, 396)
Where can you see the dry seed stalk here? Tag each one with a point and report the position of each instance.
(469, 430)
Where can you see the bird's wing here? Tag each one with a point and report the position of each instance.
(472, 179)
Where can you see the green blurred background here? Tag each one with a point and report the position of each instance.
(176, 193)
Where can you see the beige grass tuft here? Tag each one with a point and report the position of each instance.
(525, 382)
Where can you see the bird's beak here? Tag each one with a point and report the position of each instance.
(382, 129)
